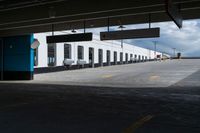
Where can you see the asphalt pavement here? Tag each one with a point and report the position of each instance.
(151, 97)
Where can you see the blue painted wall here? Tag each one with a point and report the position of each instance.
(18, 55)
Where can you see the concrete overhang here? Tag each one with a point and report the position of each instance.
(71, 14)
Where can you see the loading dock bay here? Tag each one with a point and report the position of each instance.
(162, 97)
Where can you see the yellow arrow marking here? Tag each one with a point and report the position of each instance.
(107, 76)
(154, 77)
(138, 124)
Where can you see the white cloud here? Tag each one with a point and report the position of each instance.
(185, 40)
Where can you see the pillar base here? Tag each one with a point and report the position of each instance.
(17, 75)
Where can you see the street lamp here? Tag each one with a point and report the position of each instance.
(122, 41)
(155, 48)
(174, 51)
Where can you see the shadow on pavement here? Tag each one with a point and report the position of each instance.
(41, 108)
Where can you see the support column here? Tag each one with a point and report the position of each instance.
(18, 58)
(1, 58)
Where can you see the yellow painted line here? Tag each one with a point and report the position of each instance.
(107, 76)
(138, 124)
(154, 77)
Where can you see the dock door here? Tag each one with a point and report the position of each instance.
(91, 57)
(115, 58)
(126, 58)
(108, 57)
(121, 58)
(100, 57)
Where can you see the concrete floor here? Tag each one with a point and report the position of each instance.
(153, 97)
(148, 74)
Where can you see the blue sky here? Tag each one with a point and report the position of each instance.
(185, 40)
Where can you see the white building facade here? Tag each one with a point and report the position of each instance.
(93, 53)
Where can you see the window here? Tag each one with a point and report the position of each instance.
(80, 52)
(67, 51)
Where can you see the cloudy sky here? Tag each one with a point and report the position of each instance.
(185, 40)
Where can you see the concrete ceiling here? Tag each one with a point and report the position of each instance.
(21, 17)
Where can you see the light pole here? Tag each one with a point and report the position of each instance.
(155, 48)
(174, 51)
(122, 41)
